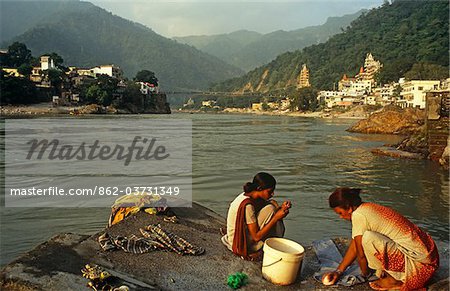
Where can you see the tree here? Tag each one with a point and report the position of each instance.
(56, 78)
(25, 69)
(96, 95)
(147, 77)
(305, 99)
(16, 90)
(426, 71)
(132, 95)
(18, 54)
(101, 92)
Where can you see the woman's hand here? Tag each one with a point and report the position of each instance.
(330, 278)
(286, 205)
(281, 213)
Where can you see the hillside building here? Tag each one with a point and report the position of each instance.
(370, 69)
(110, 70)
(12, 72)
(354, 86)
(414, 92)
(209, 103)
(148, 88)
(303, 78)
(257, 106)
(285, 104)
(47, 63)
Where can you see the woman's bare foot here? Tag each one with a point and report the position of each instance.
(256, 257)
(386, 283)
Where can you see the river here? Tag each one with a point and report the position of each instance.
(309, 157)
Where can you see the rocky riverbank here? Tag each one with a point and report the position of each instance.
(410, 123)
(56, 264)
(392, 120)
(47, 109)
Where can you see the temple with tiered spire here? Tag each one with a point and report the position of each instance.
(303, 78)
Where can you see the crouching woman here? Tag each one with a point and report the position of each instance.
(253, 217)
(403, 255)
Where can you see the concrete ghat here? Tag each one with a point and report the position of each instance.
(56, 264)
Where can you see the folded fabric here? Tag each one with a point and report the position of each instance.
(330, 258)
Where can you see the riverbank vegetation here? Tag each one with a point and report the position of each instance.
(406, 36)
(19, 87)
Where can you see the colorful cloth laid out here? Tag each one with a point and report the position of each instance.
(330, 258)
(395, 245)
(131, 204)
(155, 238)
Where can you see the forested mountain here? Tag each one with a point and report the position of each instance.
(86, 35)
(19, 16)
(248, 49)
(399, 34)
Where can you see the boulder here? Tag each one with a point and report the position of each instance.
(391, 120)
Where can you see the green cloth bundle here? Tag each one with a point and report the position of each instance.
(237, 280)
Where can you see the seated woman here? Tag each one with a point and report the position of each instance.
(403, 255)
(253, 217)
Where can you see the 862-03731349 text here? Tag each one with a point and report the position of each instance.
(97, 190)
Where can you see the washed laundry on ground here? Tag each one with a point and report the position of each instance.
(154, 238)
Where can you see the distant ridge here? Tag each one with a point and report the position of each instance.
(399, 34)
(86, 35)
(248, 49)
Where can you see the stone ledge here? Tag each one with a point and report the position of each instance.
(56, 264)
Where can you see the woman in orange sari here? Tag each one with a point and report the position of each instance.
(404, 256)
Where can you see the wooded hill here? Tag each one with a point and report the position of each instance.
(248, 49)
(86, 35)
(399, 34)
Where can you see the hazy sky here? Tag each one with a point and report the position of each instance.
(191, 17)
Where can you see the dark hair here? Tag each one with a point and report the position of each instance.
(345, 197)
(261, 181)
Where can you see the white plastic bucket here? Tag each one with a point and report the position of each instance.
(282, 260)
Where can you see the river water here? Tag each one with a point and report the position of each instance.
(309, 157)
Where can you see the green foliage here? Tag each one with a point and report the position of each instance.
(16, 90)
(399, 35)
(132, 95)
(101, 92)
(95, 95)
(88, 36)
(426, 71)
(146, 76)
(56, 78)
(305, 99)
(18, 54)
(25, 69)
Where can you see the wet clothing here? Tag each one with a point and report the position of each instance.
(393, 244)
(250, 213)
